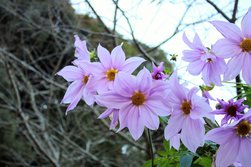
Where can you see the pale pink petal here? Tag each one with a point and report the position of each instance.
(157, 106)
(89, 96)
(104, 57)
(201, 109)
(94, 68)
(191, 55)
(149, 119)
(221, 111)
(220, 65)
(136, 125)
(220, 135)
(160, 87)
(225, 48)
(112, 100)
(71, 73)
(192, 92)
(175, 124)
(192, 134)
(125, 84)
(206, 75)
(225, 120)
(115, 118)
(161, 66)
(214, 75)
(178, 89)
(246, 72)
(118, 57)
(175, 141)
(106, 113)
(110, 85)
(246, 24)
(81, 51)
(195, 67)
(144, 80)
(84, 65)
(123, 115)
(74, 101)
(227, 152)
(72, 91)
(197, 42)
(186, 40)
(228, 30)
(245, 152)
(101, 84)
(131, 64)
(234, 67)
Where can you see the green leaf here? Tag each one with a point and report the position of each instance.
(163, 119)
(166, 145)
(247, 94)
(186, 160)
(147, 163)
(203, 161)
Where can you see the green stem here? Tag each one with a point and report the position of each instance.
(151, 145)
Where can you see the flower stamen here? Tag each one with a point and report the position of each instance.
(186, 107)
(157, 76)
(246, 45)
(209, 60)
(231, 110)
(243, 128)
(138, 98)
(110, 74)
(85, 79)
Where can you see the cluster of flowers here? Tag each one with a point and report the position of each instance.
(138, 101)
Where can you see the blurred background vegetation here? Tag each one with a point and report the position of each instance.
(36, 41)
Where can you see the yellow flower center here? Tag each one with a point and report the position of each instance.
(85, 79)
(186, 107)
(110, 74)
(246, 45)
(243, 128)
(138, 98)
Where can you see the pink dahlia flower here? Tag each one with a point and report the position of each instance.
(207, 95)
(237, 46)
(138, 101)
(157, 73)
(202, 60)
(234, 141)
(80, 87)
(110, 65)
(187, 112)
(231, 110)
(81, 51)
(113, 114)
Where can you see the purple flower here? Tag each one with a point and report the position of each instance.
(206, 94)
(202, 60)
(81, 51)
(81, 86)
(113, 114)
(175, 141)
(234, 141)
(138, 100)
(157, 73)
(187, 114)
(111, 64)
(232, 110)
(237, 46)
